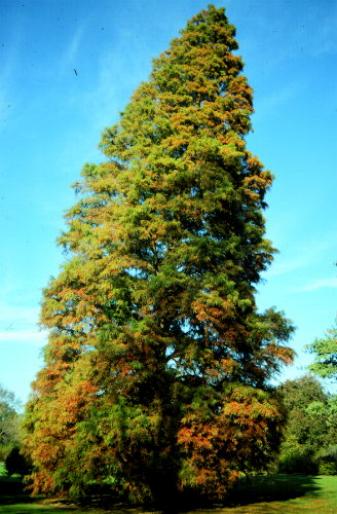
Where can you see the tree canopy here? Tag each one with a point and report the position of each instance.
(309, 442)
(157, 369)
(9, 422)
(324, 350)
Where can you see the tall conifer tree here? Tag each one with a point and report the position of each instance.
(157, 368)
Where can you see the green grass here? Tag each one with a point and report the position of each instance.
(279, 494)
(284, 494)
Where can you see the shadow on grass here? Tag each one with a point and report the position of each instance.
(11, 487)
(12, 493)
(13, 499)
(272, 488)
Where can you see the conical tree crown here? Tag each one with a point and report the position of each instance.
(176, 213)
(155, 312)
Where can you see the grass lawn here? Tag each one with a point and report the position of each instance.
(279, 494)
(285, 494)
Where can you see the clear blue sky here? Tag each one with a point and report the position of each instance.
(51, 120)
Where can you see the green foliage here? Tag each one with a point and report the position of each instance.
(325, 352)
(297, 458)
(310, 433)
(327, 460)
(157, 367)
(9, 423)
(300, 393)
(3, 471)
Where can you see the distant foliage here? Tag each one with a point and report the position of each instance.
(9, 423)
(311, 430)
(156, 372)
(325, 352)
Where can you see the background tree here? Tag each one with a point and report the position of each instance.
(16, 463)
(309, 444)
(157, 369)
(325, 352)
(9, 422)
